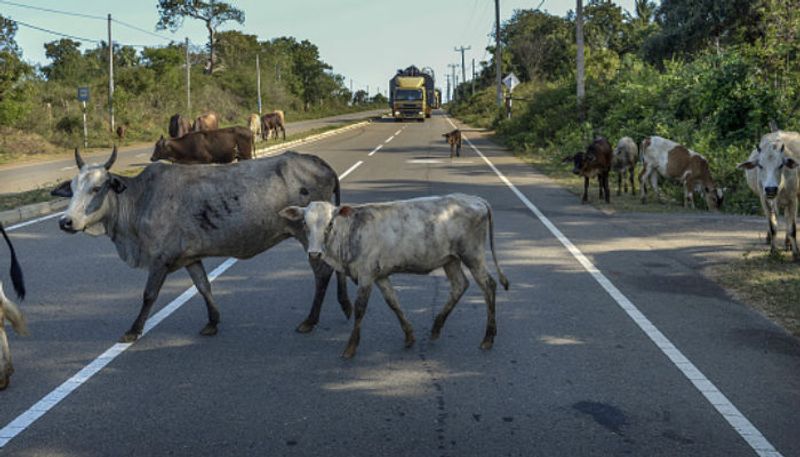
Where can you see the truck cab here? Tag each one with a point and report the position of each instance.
(408, 99)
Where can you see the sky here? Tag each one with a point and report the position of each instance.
(363, 40)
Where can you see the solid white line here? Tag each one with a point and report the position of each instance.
(378, 148)
(41, 407)
(33, 221)
(67, 168)
(350, 170)
(718, 400)
(389, 139)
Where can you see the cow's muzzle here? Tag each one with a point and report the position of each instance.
(314, 255)
(771, 192)
(65, 223)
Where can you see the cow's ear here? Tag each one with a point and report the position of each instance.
(345, 211)
(63, 190)
(292, 213)
(116, 184)
(747, 165)
(789, 162)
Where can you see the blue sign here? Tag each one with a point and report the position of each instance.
(83, 94)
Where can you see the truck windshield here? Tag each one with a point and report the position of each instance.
(408, 94)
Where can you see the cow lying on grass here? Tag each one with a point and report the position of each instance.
(596, 161)
(208, 146)
(173, 216)
(373, 241)
(626, 154)
(667, 158)
(9, 310)
(454, 140)
(771, 172)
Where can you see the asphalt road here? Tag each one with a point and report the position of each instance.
(27, 176)
(610, 347)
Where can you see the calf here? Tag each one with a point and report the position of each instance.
(667, 158)
(213, 146)
(454, 140)
(596, 161)
(373, 241)
(624, 163)
(207, 121)
(272, 122)
(772, 173)
(254, 124)
(9, 310)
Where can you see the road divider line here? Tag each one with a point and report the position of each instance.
(378, 148)
(33, 221)
(20, 423)
(718, 400)
(388, 139)
(398, 132)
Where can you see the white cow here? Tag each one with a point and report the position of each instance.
(9, 310)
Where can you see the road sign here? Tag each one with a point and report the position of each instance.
(511, 81)
(83, 94)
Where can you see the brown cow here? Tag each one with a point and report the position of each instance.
(121, 129)
(179, 126)
(596, 161)
(213, 146)
(273, 121)
(207, 121)
(454, 140)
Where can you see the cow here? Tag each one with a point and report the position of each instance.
(595, 161)
(10, 311)
(207, 121)
(172, 216)
(179, 126)
(211, 146)
(626, 154)
(370, 242)
(669, 159)
(454, 140)
(273, 121)
(121, 130)
(254, 124)
(772, 173)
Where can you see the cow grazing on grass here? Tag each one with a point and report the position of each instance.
(10, 311)
(179, 126)
(454, 140)
(669, 159)
(254, 124)
(212, 146)
(173, 216)
(772, 173)
(596, 161)
(373, 241)
(626, 154)
(207, 121)
(272, 122)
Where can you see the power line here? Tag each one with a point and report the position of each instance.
(67, 13)
(125, 24)
(57, 33)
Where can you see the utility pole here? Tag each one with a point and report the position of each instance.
(258, 83)
(448, 88)
(110, 76)
(463, 68)
(473, 76)
(497, 53)
(453, 78)
(581, 90)
(188, 82)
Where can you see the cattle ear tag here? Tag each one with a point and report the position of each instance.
(292, 213)
(345, 211)
(63, 190)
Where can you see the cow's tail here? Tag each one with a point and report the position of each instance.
(337, 190)
(500, 275)
(16, 271)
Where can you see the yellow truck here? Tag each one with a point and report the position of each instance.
(411, 94)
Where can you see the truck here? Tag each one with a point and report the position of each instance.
(412, 94)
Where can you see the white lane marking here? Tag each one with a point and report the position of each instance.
(397, 132)
(351, 169)
(41, 407)
(143, 154)
(389, 139)
(424, 161)
(378, 148)
(33, 221)
(67, 168)
(718, 400)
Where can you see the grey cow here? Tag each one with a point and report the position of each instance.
(373, 241)
(172, 216)
(10, 311)
(626, 154)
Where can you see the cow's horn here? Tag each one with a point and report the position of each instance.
(112, 159)
(78, 159)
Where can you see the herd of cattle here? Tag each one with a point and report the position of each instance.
(771, 173)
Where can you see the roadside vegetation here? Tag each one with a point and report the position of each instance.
(710, 75)
(40, 114)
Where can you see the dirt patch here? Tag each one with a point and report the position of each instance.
(16, 143)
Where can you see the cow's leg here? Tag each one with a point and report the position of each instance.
(385, 286)
(458, 149)
(6, 368)
(155, 279)
(643, 176)
(654, 185)
(620, 174)
(772, 218)
(341, 294)
(631, 172)
(200, 279)
(458, 285)
(282, 130)
(767, 208)
(790, 214)
(362, 299)
(606, 188)
(585, 197)
(477, 266)
(322, 276)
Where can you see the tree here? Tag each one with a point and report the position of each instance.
(173, 12)
(360, 97)
(66, 56)
(11, 66)
(539, 44)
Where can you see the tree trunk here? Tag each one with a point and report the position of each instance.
(581, 91)
(211, 57)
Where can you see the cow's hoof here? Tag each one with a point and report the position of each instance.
(486, 345)
(349, 352)
(304, 327)
(5, 382)
(435, 334)
(209, 330)
(129, 337)
(410, 341)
